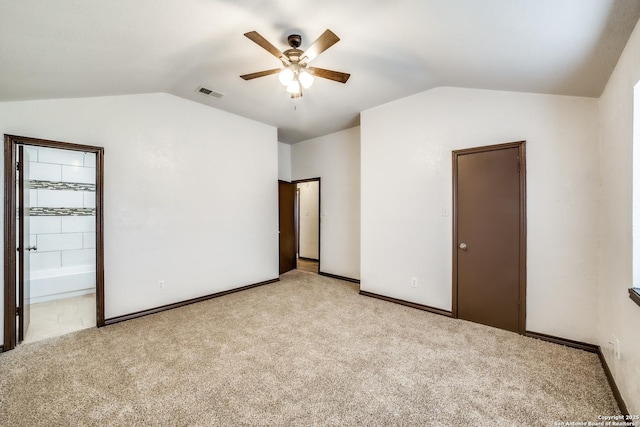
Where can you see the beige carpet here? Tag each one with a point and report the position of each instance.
(307, 350)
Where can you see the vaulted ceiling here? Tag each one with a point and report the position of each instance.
(392, 49)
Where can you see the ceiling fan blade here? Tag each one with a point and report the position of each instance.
(324, 42)
(330, 74)
(266, 45)
(261, 74)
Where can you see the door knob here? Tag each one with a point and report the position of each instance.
(32, 248)
(463, 246)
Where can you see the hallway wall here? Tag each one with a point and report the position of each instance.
(336, 159)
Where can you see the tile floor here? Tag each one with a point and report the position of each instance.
(59, 317)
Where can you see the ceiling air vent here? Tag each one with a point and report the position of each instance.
(209, 92)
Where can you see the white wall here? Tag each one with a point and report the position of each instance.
(407, 193)
(619, 316)
(190, 192)
(336, 159)
(284, 161)
(309, 219)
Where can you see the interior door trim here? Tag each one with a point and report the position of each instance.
(522, 306)
(10, 160)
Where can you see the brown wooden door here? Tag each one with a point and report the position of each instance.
(287, 230)
(489, 236)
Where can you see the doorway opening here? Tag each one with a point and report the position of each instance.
(54, 257)
(299, 228)
(307, 219)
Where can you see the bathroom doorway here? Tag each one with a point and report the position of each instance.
(54, 251)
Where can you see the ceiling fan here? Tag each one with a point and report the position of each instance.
(296, 73)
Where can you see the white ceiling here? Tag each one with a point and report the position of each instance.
(79, 48)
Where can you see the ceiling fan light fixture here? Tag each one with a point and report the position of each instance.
(286, 76)
(305, 78)
(294, 87)
(294, 72)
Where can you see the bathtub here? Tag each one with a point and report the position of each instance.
(48, 285)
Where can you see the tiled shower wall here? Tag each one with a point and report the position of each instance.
(62, 197)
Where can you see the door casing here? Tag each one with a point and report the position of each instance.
(11, 143)
(522, 307)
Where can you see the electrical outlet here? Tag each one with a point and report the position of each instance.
(161, 285)
(414, 282)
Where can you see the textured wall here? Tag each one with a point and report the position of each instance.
(619, 316)
(190, 192)
(336, 159)
(407, 193)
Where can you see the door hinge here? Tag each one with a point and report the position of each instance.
(18, 166)
(18, 311)
(518, 164)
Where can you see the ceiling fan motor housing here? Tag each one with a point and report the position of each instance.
(294, 40)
